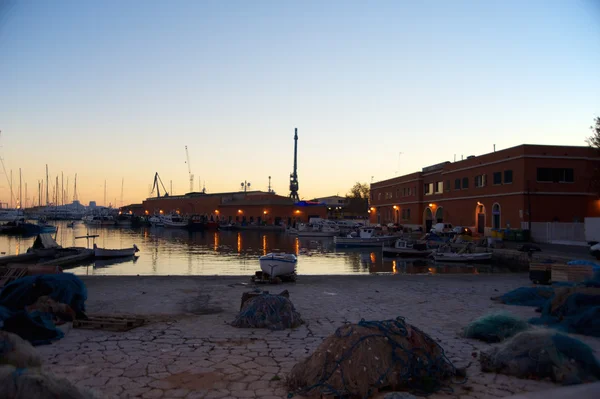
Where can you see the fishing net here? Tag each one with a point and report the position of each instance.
(17, 352)
(275, 312)
(495, 327)
(19, 383)
(526, 296)
(360, 357)
(573, 309)
(539, 354)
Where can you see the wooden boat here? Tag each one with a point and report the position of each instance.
(278, 264)
(107, 262)
(481, 257)
(366, 238)
(408, 249)
(114, 253)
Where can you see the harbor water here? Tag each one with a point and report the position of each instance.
(165, 251)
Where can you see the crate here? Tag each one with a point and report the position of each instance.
(571, 273)
(109, 322)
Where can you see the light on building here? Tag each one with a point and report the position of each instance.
(373, 209)
(395, 207)
(239, 211)
(264, 212)
(161, 212)
(431, 205)
(146, 212)
(217, 211)
(297, 211)
(479, 203)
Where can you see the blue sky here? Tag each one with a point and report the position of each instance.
(115, 90)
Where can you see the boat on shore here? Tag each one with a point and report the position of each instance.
(367, 237)
(408, 249)
(114, 253)
(465, 255)
(278, 264)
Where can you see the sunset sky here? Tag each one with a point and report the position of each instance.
(115, 90)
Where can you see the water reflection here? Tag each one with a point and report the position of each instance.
(165, 251)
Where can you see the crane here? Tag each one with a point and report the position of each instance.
(187, 155)
(157, 179)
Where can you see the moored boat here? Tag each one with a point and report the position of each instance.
(366, 237)
(322, 229)
(155, 221)
(278, 264)
(174, 221)
(408, 249)
(481, 257)
(114, 253)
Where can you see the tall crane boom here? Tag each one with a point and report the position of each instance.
(187, 155)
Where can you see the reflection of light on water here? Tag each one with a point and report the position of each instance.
(297, 246)
(372, 257)
(239, 242)
(17, 247)
(264, 242)
(216, 240)
(394, 270)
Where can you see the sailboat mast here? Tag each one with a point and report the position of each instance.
(25, 205)
(20, 189)
(39, 193)
(11, 190)
(105, 193)
(56, 197)
(67, 191)
(62, 188)
(122, 184)
(75, 189)
(47, 193)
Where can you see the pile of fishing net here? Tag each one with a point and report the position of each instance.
(542, 353)
(495, 327)
(275, 312)
(358, 358)
(22, 378)
(527, 296)
(572, 309)
(33, 306)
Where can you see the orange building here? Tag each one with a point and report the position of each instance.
(251, 207)
(503, 189)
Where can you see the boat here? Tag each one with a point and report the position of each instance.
(465, 255)
(155, 221)
(106, 262)
(278, 264)
(10, 215)
(323, 229)
(407, 249)
(197, 223)
(174, 221)
(366, 237)
(114, 253)
(99, 220)
(124, 220)
(71, 224)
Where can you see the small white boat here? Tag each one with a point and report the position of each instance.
(408, 249)
(155, 221)
(366, 238)
(99, 220)
(174, 221)
(481, 257)
(114, 253)
(324, 229)
(278, 264)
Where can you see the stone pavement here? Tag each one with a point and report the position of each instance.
(189, 351)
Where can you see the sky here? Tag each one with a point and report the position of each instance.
(115, 90)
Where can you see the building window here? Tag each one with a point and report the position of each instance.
(439, 187)
(508, 176)
(555, 175)
(379, 196)
(465, 183)
(457, 184)
(403, 214)
(496, 216)
(480, 181)
(497, 177)
(447, 186)
(428, 188)
(408, 191)
(408, 214)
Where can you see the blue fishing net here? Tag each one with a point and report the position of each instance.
(527, 296)
(579, 313)
(543, 354)
(495, 327)
(268, 311)
(36, 326)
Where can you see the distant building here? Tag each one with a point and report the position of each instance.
(510, 188)
(244, 207)
(92, 204)
(339, 207)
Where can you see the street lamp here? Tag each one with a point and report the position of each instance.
(245, 185)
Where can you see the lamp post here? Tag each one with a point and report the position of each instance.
(245, 185)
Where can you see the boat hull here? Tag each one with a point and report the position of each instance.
(363, 242)
(407, 253)
(114, 253)
(463, 258)
(175, 225)
(278, 265)
(317, 233)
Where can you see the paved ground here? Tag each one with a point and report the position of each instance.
(190, 351)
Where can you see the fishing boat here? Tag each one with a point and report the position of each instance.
(174, 221)
(465, 255)
(366, 237)
(114, 253)
(323, 229)
(10, 215)
(407, 249)
(155, 221)
(99, 220)
(278, 264)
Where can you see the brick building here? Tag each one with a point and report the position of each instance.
(507, 188)
(250, 206)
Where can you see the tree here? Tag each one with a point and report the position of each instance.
(594, 142)
(594, 139)
(359, 190)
